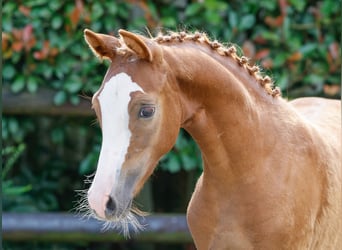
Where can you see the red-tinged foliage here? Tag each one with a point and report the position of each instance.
(260, 40)
(283, 7)
(76, 13)
(262, 54)
(334, 57)
(5, 41)
(334, 51)
(23, 39)
(25, 10)
(295, 57)
(274, 22)
(248, 48)
(45, 52)
(267, 63)
(150, 19)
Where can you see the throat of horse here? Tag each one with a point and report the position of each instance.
(225, 119)
(229, 148)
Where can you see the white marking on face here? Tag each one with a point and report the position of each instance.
(113, 100)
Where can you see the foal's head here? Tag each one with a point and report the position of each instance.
(139, 118)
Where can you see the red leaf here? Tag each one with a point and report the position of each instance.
(53, 52)
(260, 40)
(27, 33)
(5, 40)
(248, 49)
(334, 50)
(17, 46)
(295, 57)
(74, 17)
(262, 54)
(76, 13)
(25, 10)
(17, 34)
(39, 55)
(274, 21)
(283, 6)
(30, 44)
(43, 53)
(267, 63)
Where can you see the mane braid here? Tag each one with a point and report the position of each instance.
(231, 51)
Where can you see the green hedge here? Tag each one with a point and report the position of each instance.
(298, 42)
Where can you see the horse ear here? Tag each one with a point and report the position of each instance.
(137, 44)
(103, 46)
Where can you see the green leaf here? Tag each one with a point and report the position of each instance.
(173, 164)
(9, 7)
(111, 8)
(97, 11)
(123, 11)
(212, 17)
(73, 87)
(55, 5)
(271, 36)
(193, 9)
(233, 19)
(8, 71)
(280, 59)
(75, 99)
(269, 5)
(313, 79)
(16, 57)
(57, 135)
(12, 153)
(13, 126)
(298, 5)
(189, 162)
(18, 84)
(56, 22)
(60, 98)
(16, 190)
(283, 82)
(41, 12)
(169, 22)
(308, 48)
(328, 7)
(47, 71)
(32, 84)
(247, 22)
(89, 163)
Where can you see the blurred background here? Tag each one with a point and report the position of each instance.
(50, 137)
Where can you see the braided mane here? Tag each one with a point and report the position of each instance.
(231, 51)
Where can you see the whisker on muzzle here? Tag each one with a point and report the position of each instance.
(127, 224)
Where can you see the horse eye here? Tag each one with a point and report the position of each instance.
(146, 112)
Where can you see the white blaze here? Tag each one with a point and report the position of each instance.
(113, 99)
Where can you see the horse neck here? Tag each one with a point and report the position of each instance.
(223, 109)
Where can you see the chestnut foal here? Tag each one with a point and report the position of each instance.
(272, 168)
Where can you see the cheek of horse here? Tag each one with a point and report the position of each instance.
(125, 188)
(137, 167)
(149, 142)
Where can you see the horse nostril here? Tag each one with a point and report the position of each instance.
(110, 208)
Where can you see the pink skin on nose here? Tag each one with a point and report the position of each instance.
(98, 203)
